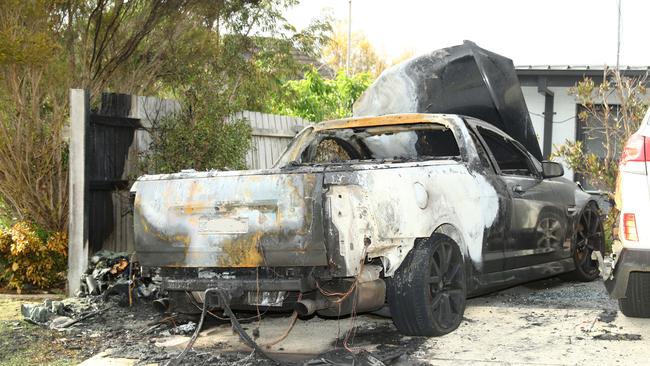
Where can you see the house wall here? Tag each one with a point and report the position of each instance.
(564, 117)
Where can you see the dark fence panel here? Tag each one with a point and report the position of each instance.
(111, 133)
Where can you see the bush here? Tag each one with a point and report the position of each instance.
(197, 141)
(318, 99)
(29, 256)
(611, 125)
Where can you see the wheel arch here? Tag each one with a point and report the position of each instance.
(455, 234)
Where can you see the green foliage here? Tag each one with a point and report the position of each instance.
(30, 256)
(215, 57)
(317, 99)
(611, 124)
(33, 113)
(600, 172)
(201, 142)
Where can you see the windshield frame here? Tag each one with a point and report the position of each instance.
(308, 135)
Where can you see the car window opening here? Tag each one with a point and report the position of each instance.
(509, 158)
(392, 143)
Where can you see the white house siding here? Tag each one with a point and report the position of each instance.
(564, 121)
(535, 103)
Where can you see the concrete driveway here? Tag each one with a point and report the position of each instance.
(548, 322)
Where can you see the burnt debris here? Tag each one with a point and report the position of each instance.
(115, 274)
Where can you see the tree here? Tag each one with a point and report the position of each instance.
(363, 58)
(317, 99)
(244, 70)
(33, 111)
(214, 56)
(608, 125)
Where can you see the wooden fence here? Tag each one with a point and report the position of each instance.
(270, 136)
(104, 148)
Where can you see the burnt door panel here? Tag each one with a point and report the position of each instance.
(538, 224)
(494, 237)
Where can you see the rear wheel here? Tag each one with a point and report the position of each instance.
(636, 304)
(589, 238)
(427, 294)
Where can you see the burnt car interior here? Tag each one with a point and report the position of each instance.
(383, 143)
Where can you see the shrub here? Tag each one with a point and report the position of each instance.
(608, 124)
(197, 141)
(318, 99)
(29, 256)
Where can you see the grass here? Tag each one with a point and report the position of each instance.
(22, 343)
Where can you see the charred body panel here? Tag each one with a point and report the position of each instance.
(229, 219)
(373, 219)
(464, 79)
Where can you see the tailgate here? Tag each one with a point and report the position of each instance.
(230, 220)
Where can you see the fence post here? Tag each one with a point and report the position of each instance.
(78, 226)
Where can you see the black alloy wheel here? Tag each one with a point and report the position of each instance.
(590, 237)
(550, 233)
(427, 294)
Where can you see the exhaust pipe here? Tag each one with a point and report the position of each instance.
(161, 305)
(308, 306)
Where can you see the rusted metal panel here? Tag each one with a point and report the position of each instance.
(229, 219)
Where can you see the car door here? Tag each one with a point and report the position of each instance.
(492, 258)
(538, 226)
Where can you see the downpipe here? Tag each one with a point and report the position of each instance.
(307, 307)
(161, 305)
(370, 296)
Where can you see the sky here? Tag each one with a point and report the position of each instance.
(530, 32)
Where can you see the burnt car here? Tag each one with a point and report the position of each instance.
(413, 211)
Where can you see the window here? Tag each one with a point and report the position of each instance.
(411, 144)
(330, 150)
(395, 143)
(595, 137)
(510, 159)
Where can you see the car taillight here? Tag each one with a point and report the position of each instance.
(629, 227)
(637, 148)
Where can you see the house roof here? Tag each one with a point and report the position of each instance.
(577, 67)
(568, 75)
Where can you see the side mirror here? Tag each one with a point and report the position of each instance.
(551, 169)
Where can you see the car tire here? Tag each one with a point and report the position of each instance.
(636, 304)
(586, 269)
(428, 292)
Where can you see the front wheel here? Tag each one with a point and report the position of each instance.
(428, 292)
(590, 236)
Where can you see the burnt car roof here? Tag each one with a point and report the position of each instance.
(385, 120)
(465, 80)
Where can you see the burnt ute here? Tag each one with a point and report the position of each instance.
(340, 218)
(409, 211)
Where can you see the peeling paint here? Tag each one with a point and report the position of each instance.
(393, 219)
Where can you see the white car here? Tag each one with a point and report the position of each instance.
(630, 280)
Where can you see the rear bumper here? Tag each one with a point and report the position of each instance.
(238, 284)
(629, 260)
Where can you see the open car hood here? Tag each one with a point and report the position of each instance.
(464, 79)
